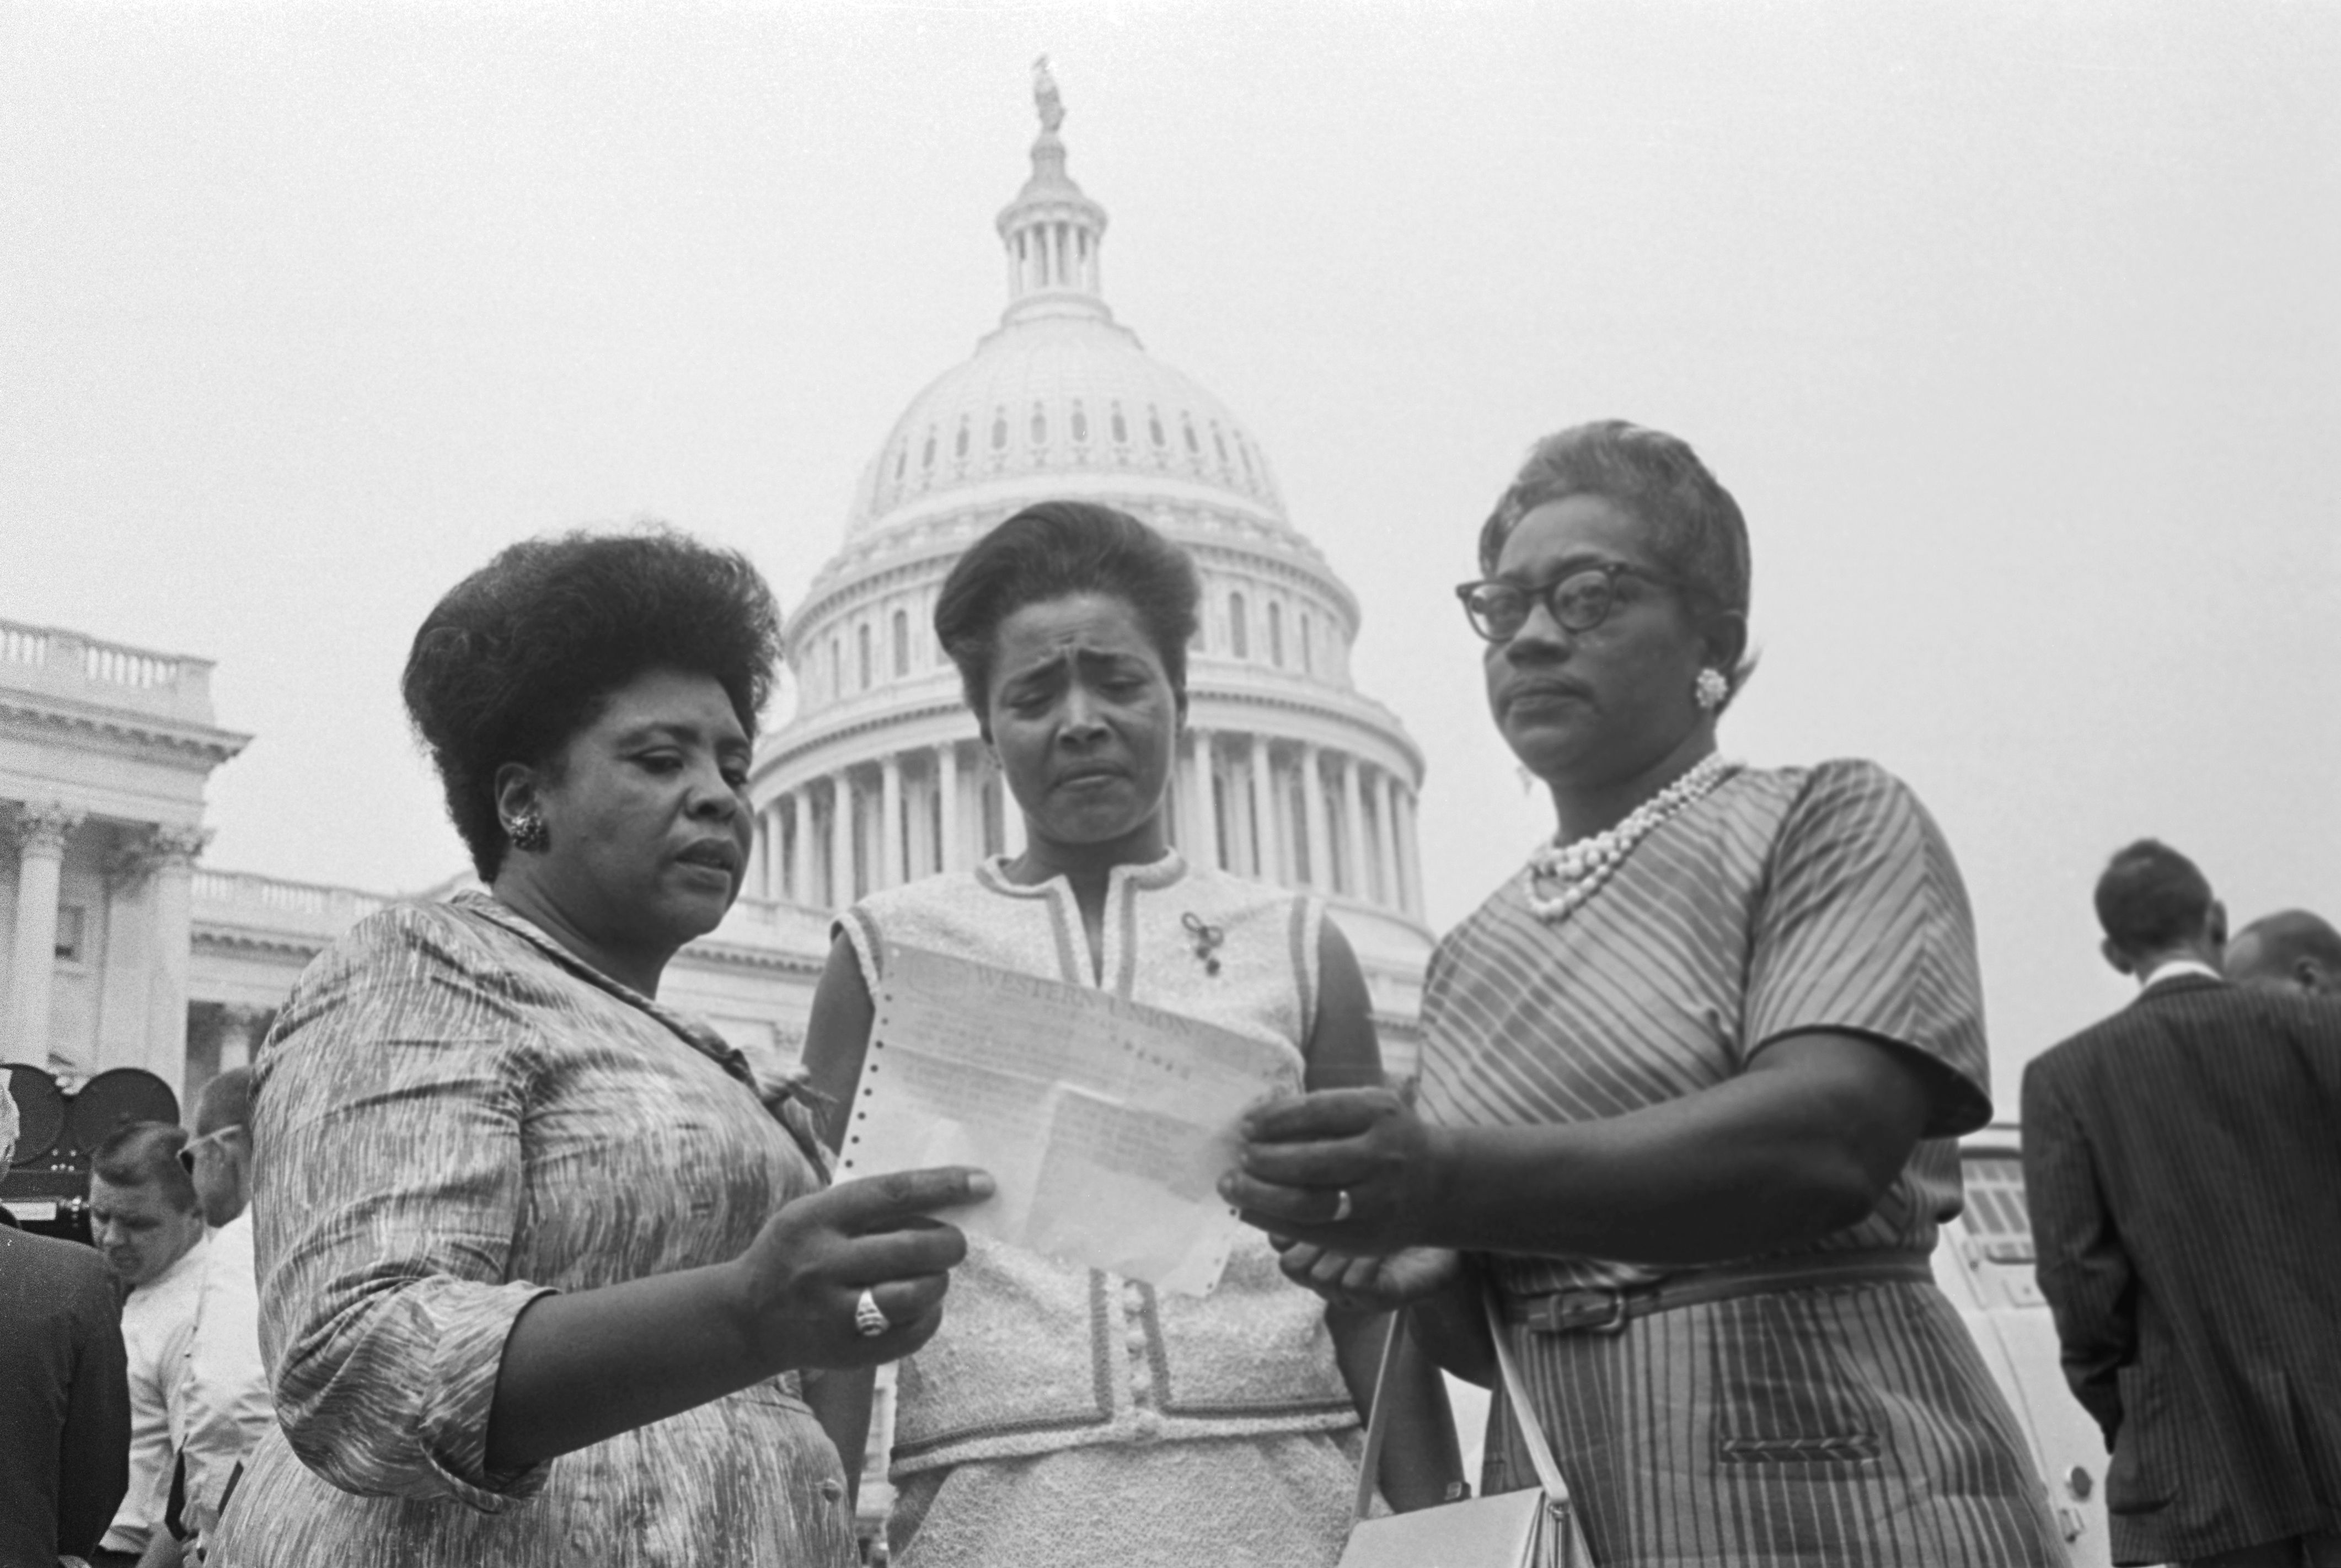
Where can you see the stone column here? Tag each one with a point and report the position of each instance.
(1012, 822)
(1268, 853)
(240, 1031)
(1409, 853)
(889, 821)
(841, 840)
(1353, 812)
(756, 883)
(175, 850)
(1205, 816)
(1312, 810)
(40, 830)
(1386, 841)
(797, 868)
(947, 787)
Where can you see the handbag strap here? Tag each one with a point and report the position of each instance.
(1370, 1464)
(1517, 1407)
(1523, 1414)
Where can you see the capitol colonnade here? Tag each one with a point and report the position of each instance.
(831, 838)
(103, 753)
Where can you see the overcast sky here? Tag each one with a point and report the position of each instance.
(2013, 328)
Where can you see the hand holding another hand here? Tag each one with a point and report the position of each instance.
(1368, 1284)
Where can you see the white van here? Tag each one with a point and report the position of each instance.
(1984, 1264)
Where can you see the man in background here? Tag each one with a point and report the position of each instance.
(2185, 1183)
(145, 1220)
(223, 1389)
(64, 1402)
(2293, 950)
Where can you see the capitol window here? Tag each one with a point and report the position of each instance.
(1239, 634)
(1039, 426)
(1307, 644)
(1121, 428)
(962, 438)
(1154, 425)
(998, 429)
(70, 921)
(1276, 634)
(1080, 424)
(901, 643)
(861, 646)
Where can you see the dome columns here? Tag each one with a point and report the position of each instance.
(1297, 812)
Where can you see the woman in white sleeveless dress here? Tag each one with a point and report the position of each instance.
(1064, 1414)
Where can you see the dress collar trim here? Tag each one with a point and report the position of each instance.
(1150, 875)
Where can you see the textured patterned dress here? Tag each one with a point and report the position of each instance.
(1823, 1427)
(453, 1118)
(1066, 1416)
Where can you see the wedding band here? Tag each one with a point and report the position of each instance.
(869, 1320)
(1341, 1205)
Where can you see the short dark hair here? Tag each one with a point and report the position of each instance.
(2151, 896)
(1697, 533)
(521, 654)
(2290, 936)
(146, 1154)
(1054, 549)
(225, 1102)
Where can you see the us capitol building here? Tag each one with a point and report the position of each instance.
(121, 949)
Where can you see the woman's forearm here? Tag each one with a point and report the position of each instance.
(1451, 1328)
(1783, 1154)
(581, 1367)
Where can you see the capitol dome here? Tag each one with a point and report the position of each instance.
(1072, 396)
(1287, 773)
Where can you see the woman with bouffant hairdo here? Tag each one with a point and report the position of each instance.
(540, 1260)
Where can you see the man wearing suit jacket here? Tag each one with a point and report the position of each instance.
(64, 1399)
(2184, 1173)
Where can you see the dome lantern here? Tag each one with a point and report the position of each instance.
(1051, 230)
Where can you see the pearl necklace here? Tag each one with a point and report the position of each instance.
(1583, 865)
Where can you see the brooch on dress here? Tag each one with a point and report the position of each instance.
(1207, 939)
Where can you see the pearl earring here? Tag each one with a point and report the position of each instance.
(1710, 690)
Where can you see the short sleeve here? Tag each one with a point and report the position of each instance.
(387, 1188)
(860, 927)
(1864, 926)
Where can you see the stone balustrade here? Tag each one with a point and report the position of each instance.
(53, 661)
(313, 910)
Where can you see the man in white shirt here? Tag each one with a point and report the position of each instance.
(223, 1389)
(145, 1217)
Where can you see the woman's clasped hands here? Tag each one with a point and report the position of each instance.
(814, 1286)
(1345, 1184)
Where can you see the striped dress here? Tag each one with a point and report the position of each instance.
(1831, 1425)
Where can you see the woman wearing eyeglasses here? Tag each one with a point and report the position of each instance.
(1691, 1084)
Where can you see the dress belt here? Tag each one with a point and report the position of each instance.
(1603, 1309)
